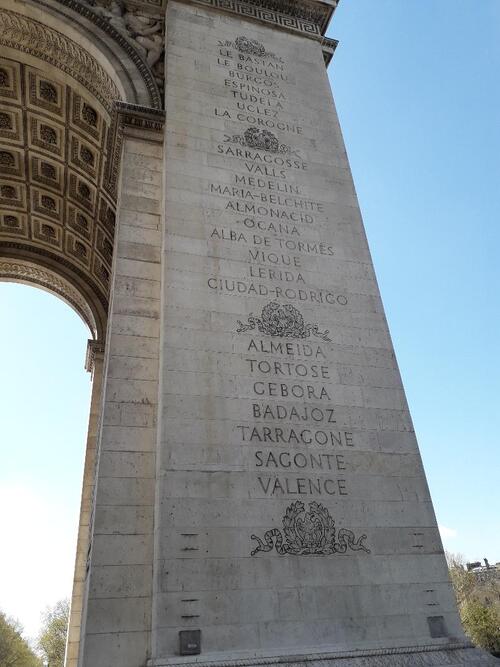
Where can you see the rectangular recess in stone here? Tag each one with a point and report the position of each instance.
(190, 642)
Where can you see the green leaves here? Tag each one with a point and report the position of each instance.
(478, 599)
(482, 624)
(14, 649)
(52, 639)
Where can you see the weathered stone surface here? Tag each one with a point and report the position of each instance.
(293, 513)
(251, 471)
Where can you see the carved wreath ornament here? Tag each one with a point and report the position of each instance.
(250, 47)
(309, 533)
(261, 140)
(282, 320)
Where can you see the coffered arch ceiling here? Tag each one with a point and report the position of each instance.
(60, 144)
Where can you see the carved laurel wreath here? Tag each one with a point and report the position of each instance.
(282, 320)
(261, 140)
(309, 533)
(250, 46)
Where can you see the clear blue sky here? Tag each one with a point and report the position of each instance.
(44, 406)
(417, 90)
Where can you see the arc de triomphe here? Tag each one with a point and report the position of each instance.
(253, 491)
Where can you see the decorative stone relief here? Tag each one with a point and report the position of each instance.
(5, 121)
(263, 11)
(144, 30)
(282, 320)
(249, 46)
(131, 116)
(95, 348)
(48, 92)
(7, 159)
(260, 139)
(30, 36)
(317, 14)
(307, 533)
(113, 26)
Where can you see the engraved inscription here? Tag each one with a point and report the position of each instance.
(267, 217)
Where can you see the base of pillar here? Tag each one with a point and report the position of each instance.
(445, 655)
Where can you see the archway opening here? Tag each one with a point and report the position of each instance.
(45, 398)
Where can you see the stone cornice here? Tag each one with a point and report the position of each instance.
(328, 46)
(308, 17)
(135, 121)
(94, 349)
(130, 120)
(139, 117)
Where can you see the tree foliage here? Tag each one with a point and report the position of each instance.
(482, 624)
(52, 639)
(14, 649)
(478, 600)
(463, 581)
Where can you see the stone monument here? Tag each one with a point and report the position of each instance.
(253, 490)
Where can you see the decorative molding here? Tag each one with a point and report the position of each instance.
(309, 19)
(131, 118)
(26, 273)
(317, 13)
(328, 46)
(261, 13)
(97, 291)
(309, 533)
(29, 36)
(282, 320)
(94, 348)
(112, 165)
(140, 117)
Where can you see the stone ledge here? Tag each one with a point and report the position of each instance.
(141, 122)
(454, 654)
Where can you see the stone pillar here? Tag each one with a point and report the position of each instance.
(260, 496)
(94, 364)
(294, 522)
(119, 582)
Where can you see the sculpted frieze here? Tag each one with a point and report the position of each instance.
(315, 13)
(144, 30)
(308, 18)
